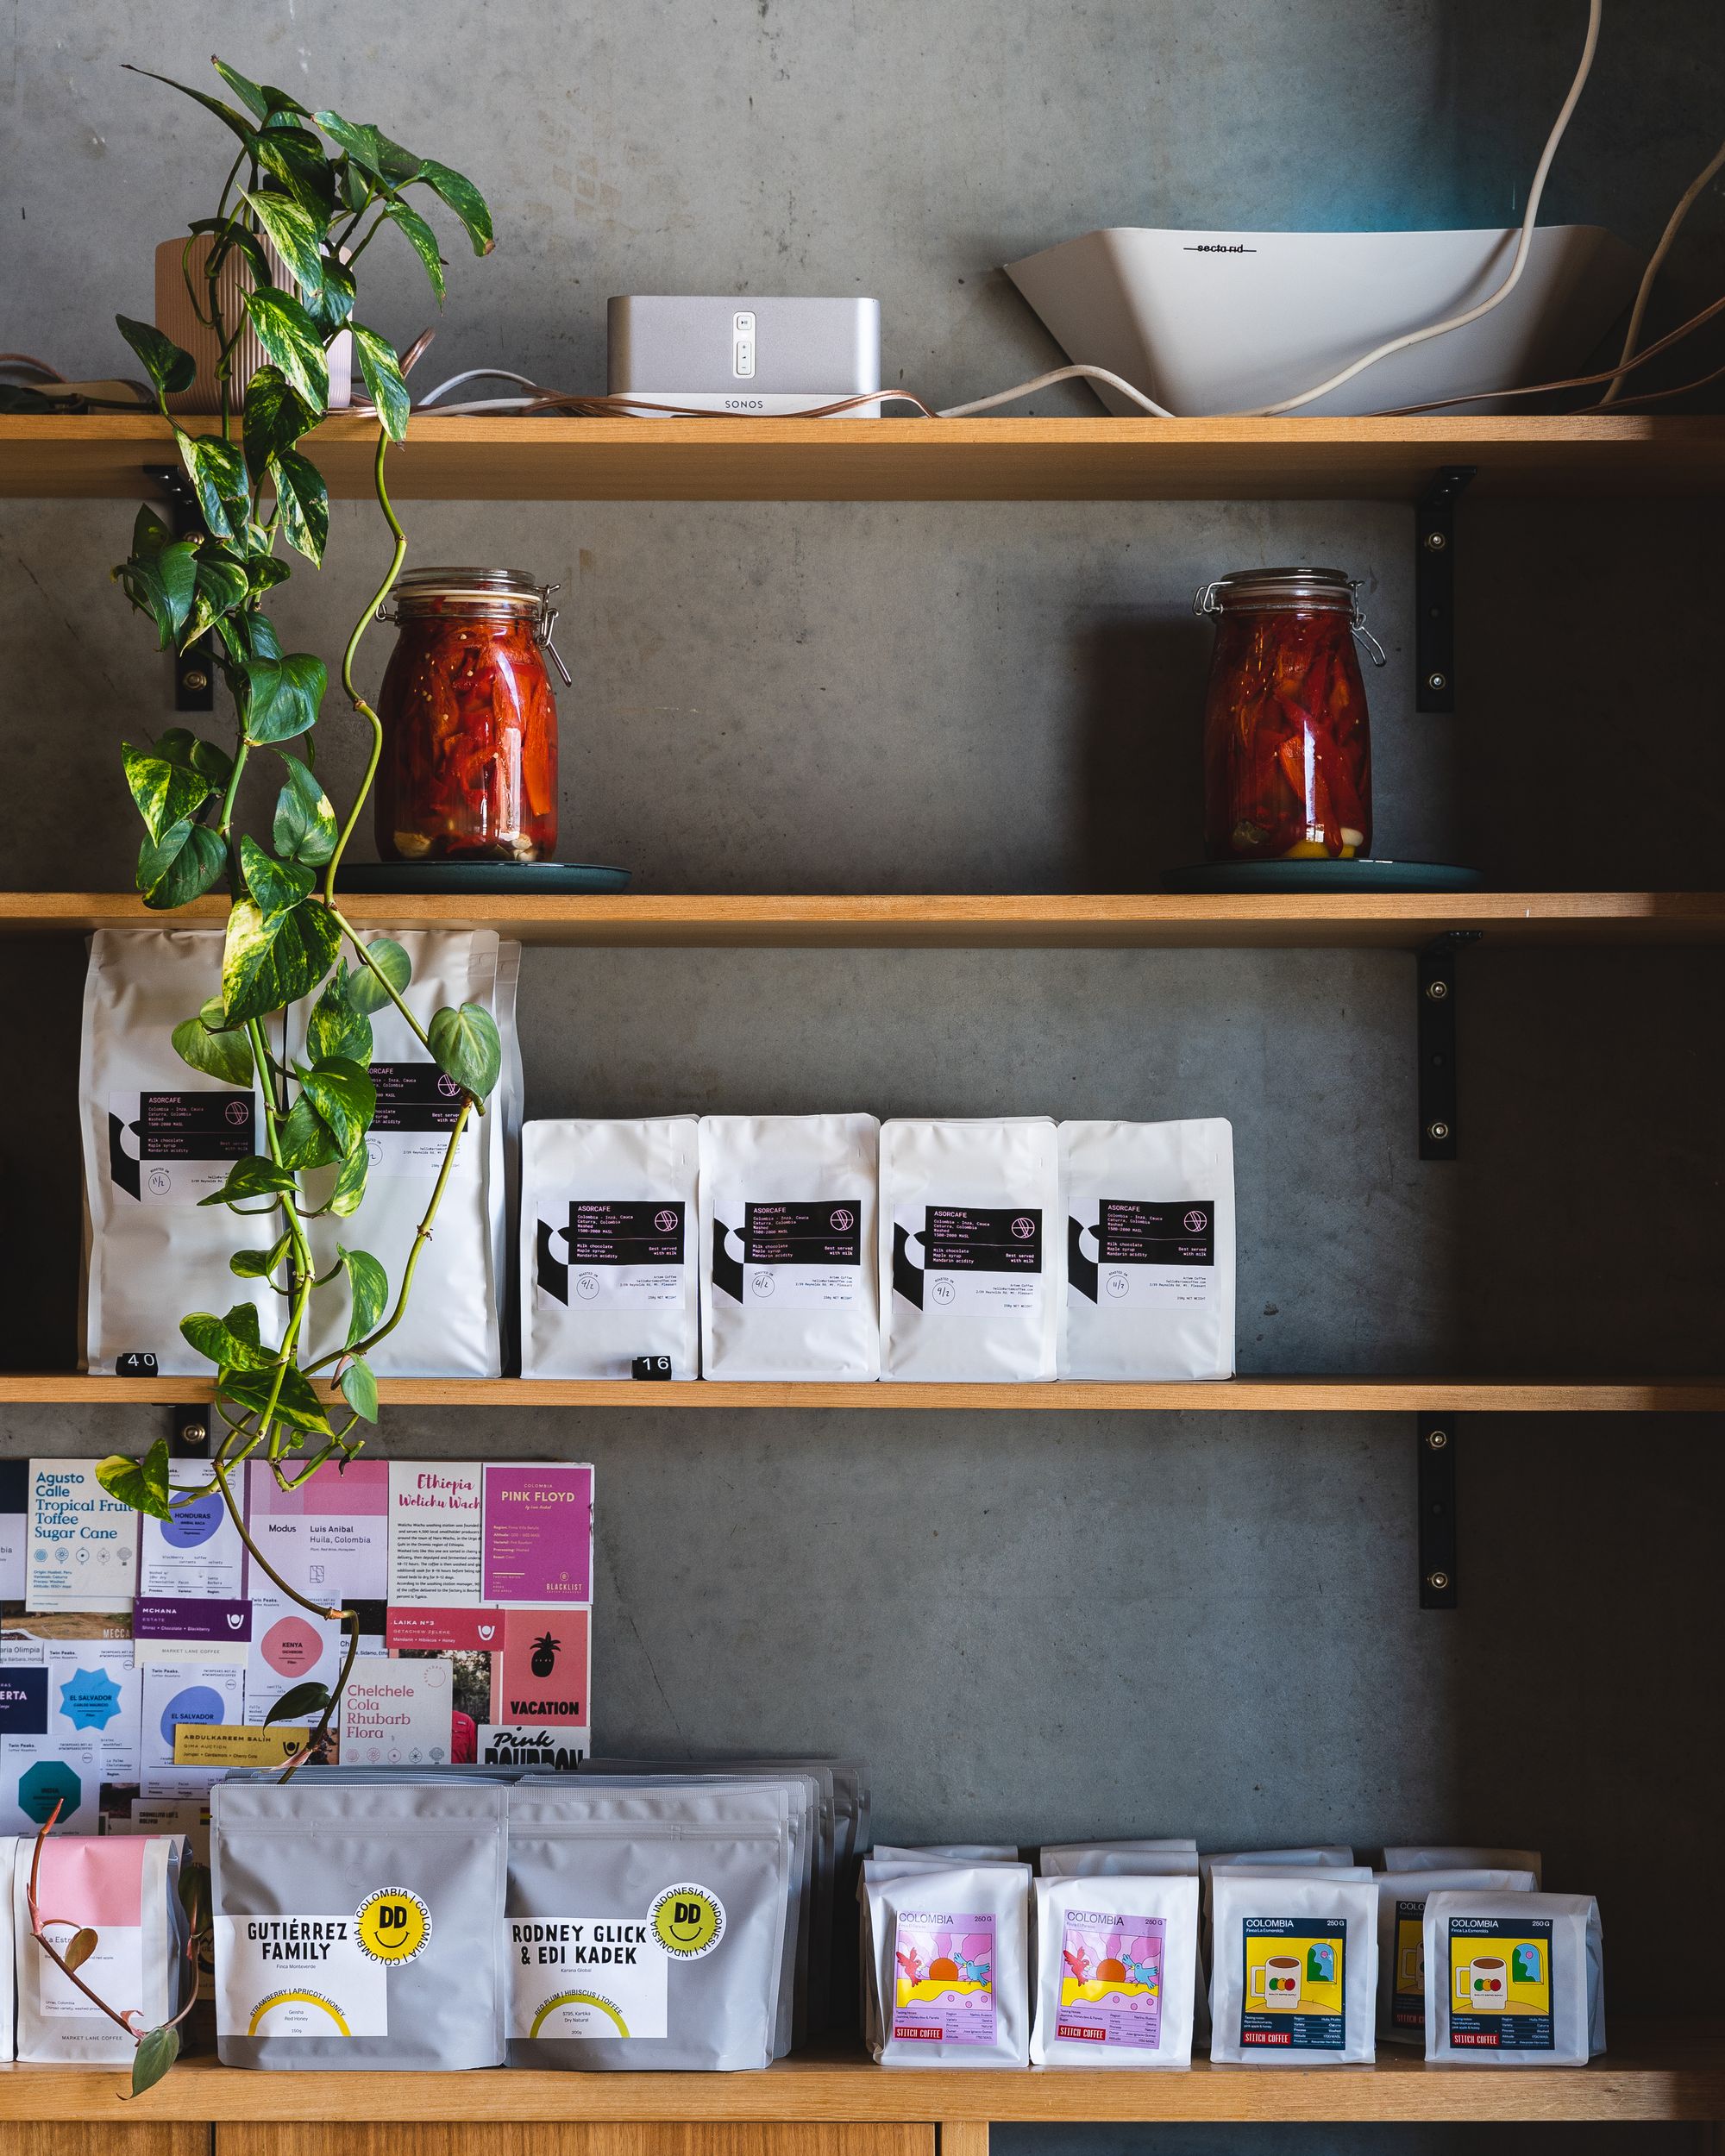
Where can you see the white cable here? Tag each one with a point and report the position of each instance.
(1633, 335)
(1596, 9)
(483, 374)
(1058, 374)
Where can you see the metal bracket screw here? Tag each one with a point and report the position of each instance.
(1434, 590)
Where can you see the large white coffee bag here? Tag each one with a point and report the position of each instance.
(787, 1224)
(971, 1273)
(608, 1247)
(451, 1328)
(159, 1137)
(1149, 1229)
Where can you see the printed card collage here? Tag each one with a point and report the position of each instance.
(139, 1659)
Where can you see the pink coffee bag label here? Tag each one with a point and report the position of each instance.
(1111, 1979)
(946, 1978)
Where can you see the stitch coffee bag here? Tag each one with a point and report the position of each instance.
(947, 1957)
(1513, 1979)
(1117, 1962)
(1293, 1968)
(1402, 1898)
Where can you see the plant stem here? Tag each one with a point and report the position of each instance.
(37, 1921)
(358, 702)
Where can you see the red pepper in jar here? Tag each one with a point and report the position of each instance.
(1287, 744)
(469, 766)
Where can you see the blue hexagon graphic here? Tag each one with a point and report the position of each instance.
(49, 1783)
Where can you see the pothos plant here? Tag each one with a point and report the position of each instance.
(310, 191)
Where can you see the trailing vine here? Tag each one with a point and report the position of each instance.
(305, 195)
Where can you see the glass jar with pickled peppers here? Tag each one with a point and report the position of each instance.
(1287, 746)
(469, 767)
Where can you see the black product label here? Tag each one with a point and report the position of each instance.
(194, 1126)
(414, 1097)
(1500, 1984)
(625, 1231)
(1141, 1232)
(982, 1239)
(817, 1233)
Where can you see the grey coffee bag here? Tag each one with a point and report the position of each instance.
(359, 1923)
(646, 1929)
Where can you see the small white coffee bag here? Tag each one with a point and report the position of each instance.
(1294, 1968)
(159, 1137)
(1149, 1224)
(1437, 1858)
(609, 1240)
(948, 1961)
(1513, 1979)
(1117, 1962)
(786, 1224)
(970, 1269)
(953, 1851)
(1126, 1859)
(1402, 1898)
(124, 1887)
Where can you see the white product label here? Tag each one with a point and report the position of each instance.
(802, 1256)
(297, 1976)
(115, 1969)
(173, 1148)
(615, 1254)
(416, 1107)
(587, 1977)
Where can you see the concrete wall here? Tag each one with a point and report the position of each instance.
(1034, 1626)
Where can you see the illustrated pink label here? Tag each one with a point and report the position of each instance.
(945, 1989)
(1111, 1979)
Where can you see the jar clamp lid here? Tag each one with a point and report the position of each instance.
(479, 592)
(1300, 591)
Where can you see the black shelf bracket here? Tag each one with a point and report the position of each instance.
(1436, 984)
(1434, 590)
(189, 1436)
(1436, 1435)
(194, 673)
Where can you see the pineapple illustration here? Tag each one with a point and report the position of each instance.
(545, 1649)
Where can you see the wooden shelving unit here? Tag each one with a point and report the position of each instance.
(1653, 2071)
(107, 454)
(1127, 921)
(1232, 1396)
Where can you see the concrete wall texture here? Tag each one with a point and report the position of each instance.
(1035, 1627)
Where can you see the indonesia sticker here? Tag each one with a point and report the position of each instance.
(687, 1920)
(392, 1926)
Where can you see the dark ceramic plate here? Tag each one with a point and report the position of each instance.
(476, 879)
(1323, 875)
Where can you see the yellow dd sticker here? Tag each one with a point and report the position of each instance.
(392, 1926)
(687, 1920)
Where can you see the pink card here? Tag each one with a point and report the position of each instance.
(443, 1631)
(539, 1536)
(328, 1538)
(541, 1676)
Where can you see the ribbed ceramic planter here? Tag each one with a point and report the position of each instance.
(175, 317)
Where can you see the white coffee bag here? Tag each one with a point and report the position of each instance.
(954, 1851)
(786, 1224)
(1293, 1968)
(157, 1137)
(1513, 1979)
(608, 1244)
(126, 1889)
(1417, 1857)
(971, 1273)
(1117, 1963)
(1149, 1228)
(948, 1963)
(1402, 1898)
(451, 1328)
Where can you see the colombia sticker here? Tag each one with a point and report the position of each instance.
(392, 1926)
(687, 1920)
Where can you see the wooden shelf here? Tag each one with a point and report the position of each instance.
(1235, 1396)
(1100, 459)
(1658, 2071)
(1397, 920)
